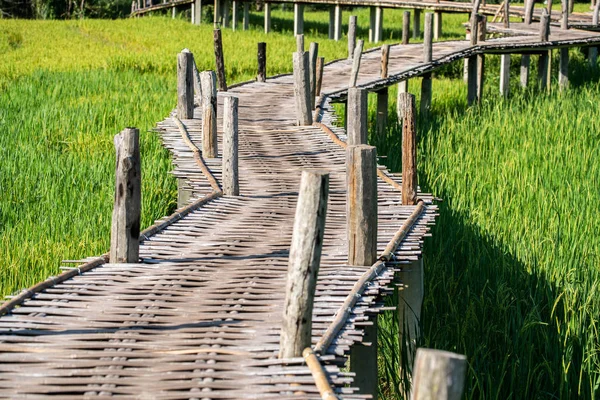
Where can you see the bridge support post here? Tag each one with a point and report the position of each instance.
(185, 85)
(371, 24)
(337, 34)
(363, 361)
(361, 181)
(231, 186)
(524, 74)
(208, 81)
(472, 80)
(304, 263)
(331, 21)
(234, 14)
(196, 12)
(383, 94)
(302, 88)
(300, 43)
(593, 55)
(125, 229)
(267, 9)
(544, 68)
(505, 75)
(225, 12)
(174, 12)
(405, 27)
(217, 13)
(417, 24)
(313, 53)
(563, 69)
(319, 79)
(403, 87)
(439, 375)
(298, 19)
(261, 76)
(376, 24)
(220, 60)
(351, 35)
(356, 114)
(426, 83)
(246, 22)
(407, 114)
(356, 63)
(437, 25)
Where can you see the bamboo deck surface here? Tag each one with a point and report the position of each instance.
(199, 316)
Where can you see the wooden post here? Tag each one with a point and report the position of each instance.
(298, 19)
(438, 375)
(407, 114)
(426, 83)
(313, 53)
(197, 12)
(262, 62)
(361, 181)
(383, 94)
(304, 262)
(403, 86)
(234, 14)
(563, 69)
(184, 192)
(302, 89)
(125, 230)
(356, 63)
(337, 33)
(320, 65)
(351, 35)
(544, 59)
(529, 4)
(564, 21)
(300, 43)
(363, 361)
(331, 21)
(472, 80)
(593, 55)
(437, 25)
(507, 13)
(481, 34)
(173, 12)
(267, 9)
(524, 75)
(185, 85)
(220, 61)
(225, 13)
(231, 186)
(385, 57)
(246, 22)
(356, 114)
(596, 13)
(378, 33)
(417, 24)
(505, 75)
(405, 27)
(217, 13)
(208, 81)
(371, 24)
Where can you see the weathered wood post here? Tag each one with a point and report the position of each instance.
(524, 72)
(197, 12)
(313, 53)
(185, 85)
(378, 32)
(298, 19)
(382, 94)
(125, 229)
(300, 43)
(406, 114)
(438, 375)
(544, 59)
(231, 186)
(361, 181)
(320, 65)
(356, 63)
(217, 13)
(529, 4)
(220, 61)
(405, 27)
(234, 14)
(356, 115)
(304, 263)
(416, 24)
(246, 19)
(426, 83)
(208, 81)
(351, 36)
(261, 76)
(267, 10)
(437, 25)
(363, 361)
(337, 31)
(481, 33)
(371, 24)
(563, 69)
(472, 67)
(302, 89)
(331, 21)
(225, 13)
(593, 51)
(403, 86)
(564, 20)
(505, 75)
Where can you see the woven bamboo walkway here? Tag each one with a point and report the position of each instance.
(199, 316)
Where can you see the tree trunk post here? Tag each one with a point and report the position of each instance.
(524, 73)
(505, 75)
(337, 34)
(231, 186)
(529, 4)
(220, 61)
(383, 94)
(298, 19)
(185, 85)
(313, 53)
(405, 27)
(197, 12)
(261, 76)
(437, 25)
(302, 89)
(426, 83)
(125, 230)
(564, 21)
(356, 63)
(361, 181)
(417, 24)
(267, 9)
(351, 36)
(356, 113)
(208, 81)
(378, 33)
(304, 263)
(438, 375)
(407, 114)
(320, 65)
(300, 43)
(371, 24)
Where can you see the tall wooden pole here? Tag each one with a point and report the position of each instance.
(426, 83)
(302, 88)
(351, 36)
(261, 76)
(125, 230)
(405, 27)
(320, 65)
(313, 53)
(407, 114)
(220, 60)
(185, 85)
(356, 114)
(356, 63)
(383, 94)
(304, 262)
(438, 375)
(208, 81)
(231, 186)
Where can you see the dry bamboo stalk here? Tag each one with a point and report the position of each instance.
(319, 374)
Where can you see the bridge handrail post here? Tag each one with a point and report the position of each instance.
(313, 53)
(356, 115)
(208, 82)
(261, 76)
(405, 27)
(564, 20)
(185, 85)
(351, 36)
(125, 229)
(231, 186)
(407, 114)
(361, 183)
(438, 375)
(219, 60)
(356, 63)
(304, 262)
(319, 79)
(302, 88)
(300, 43)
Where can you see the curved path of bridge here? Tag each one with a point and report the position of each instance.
(199, 316)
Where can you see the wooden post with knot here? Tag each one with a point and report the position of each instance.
(438, 375)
